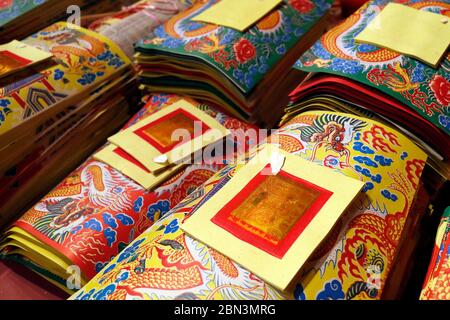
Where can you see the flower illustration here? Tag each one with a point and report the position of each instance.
(441, 89)
(303, 6)
(4, 4)
(244, 50)
(58, 75)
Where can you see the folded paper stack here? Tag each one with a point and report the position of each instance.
(356, 260)
(132, 23)
(21, 18)
(373, 80)
(437, 283)
(55, 112)
(247, 73)
(99, 208)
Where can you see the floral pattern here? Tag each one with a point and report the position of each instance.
(441, 89)
(245, 57)
(11, 9)
(417, 85)
(244, 51)
(354, 260)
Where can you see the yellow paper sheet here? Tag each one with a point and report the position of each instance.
(262, 220)
(420, 34)
(16, 55)
(146, 153)
(145, 178)
(237, 14)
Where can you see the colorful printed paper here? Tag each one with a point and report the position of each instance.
(15, 56)
(269, 222)
(96, 211)
(420, 34)
(423, 89)
(177, 133)
(132, 168)
(11, 9)
(237, 14)
(86, 59)
(437, 282)
(223, 66)
(353, 262)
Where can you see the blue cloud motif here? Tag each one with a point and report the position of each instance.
(138, 204)
(93, 224)
(368, 186)
(109, 268)
(404, 155)
(366, 160)
(110, 236)
(122, 277)
(299, 293)
(388, 195)
(104, 293)
(376, 178)
(129, 251)
(86, 296)
(364, 171)
(332, 291)
(162, 206)
(4, 103)
(384, 162)
(99, 266)
(359, 146)
(126, 220)
(358, 136)
(172, 227)
(76, 229)
(109, 220)
(58, 75)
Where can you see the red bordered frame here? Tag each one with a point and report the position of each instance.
(125, 155)
(23, 61)
(279, 250)
(164, 149)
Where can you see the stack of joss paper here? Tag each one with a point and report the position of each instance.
(373, 80)
(56, 106)
(358, 258)
(437, 282)
(21, 18)
(244, 70)
(132, 23)
(96, 211)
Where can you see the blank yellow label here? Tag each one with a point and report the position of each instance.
(420, 34)
(237, 14)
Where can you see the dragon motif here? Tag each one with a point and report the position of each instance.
(395, 77)
(333, 132)
(70, 44)
(334, 44)
(372, 243)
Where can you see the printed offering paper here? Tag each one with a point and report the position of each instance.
(420, 34)
(237, 14)
(129, 166)
(16, 55)
(170, 136)
(268, 222)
